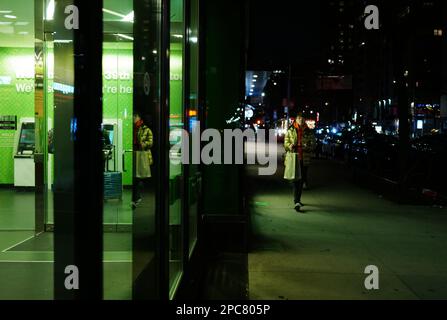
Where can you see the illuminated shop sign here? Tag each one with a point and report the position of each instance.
(24, 75)
(176, 77)
(117, 76)
(4, 80)
(65, 89)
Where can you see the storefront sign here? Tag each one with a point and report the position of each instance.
(5, 80)
(8, 123)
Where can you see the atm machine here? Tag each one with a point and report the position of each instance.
(113, 164)
(112, 145)
(24, 168)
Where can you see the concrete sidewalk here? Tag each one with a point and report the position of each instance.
(322, 254)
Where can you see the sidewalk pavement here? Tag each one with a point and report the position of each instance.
(323, 252)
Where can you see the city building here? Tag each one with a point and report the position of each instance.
(412, 41)
(335, 77)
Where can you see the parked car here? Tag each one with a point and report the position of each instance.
(333, 144)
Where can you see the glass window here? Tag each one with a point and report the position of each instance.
(117, 133)
(51, 210)
(24, 251)
(147, 176)
(176, 122)
(193, 120)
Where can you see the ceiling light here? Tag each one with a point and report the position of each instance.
(5, 11)
(49, 16)
(113, 13)
(124, 36)
(122, 16)
(125, 18)
(10, 16)
(129, 17)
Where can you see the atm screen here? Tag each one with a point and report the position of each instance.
(27, 137)
(110, 136)
(108, 133)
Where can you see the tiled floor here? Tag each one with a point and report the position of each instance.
(26, 262)
(26, 266)
(17, 209)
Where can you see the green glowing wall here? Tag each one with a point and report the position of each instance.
(118, 95)
(16, 98)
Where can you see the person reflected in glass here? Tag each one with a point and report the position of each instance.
(142, 144)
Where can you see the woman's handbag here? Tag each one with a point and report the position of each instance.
(290, 163)
(143, 164)
(292, 170)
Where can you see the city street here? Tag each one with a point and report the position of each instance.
(225, 150)
(322, 253)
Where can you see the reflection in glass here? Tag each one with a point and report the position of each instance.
(24, 252)
(194, 118)
(117, 134)
(176, 122)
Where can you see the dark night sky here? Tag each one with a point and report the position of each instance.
(283, 31)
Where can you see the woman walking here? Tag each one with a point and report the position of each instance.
(299, 143)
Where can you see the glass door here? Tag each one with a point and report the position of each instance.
(24, 251)
(131, 144)
(193, 113)
(176, 123)
(49, 129)
(117, 147)
(148, 270)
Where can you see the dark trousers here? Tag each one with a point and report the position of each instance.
(298, 185)
(304, 172)
(136, 189)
